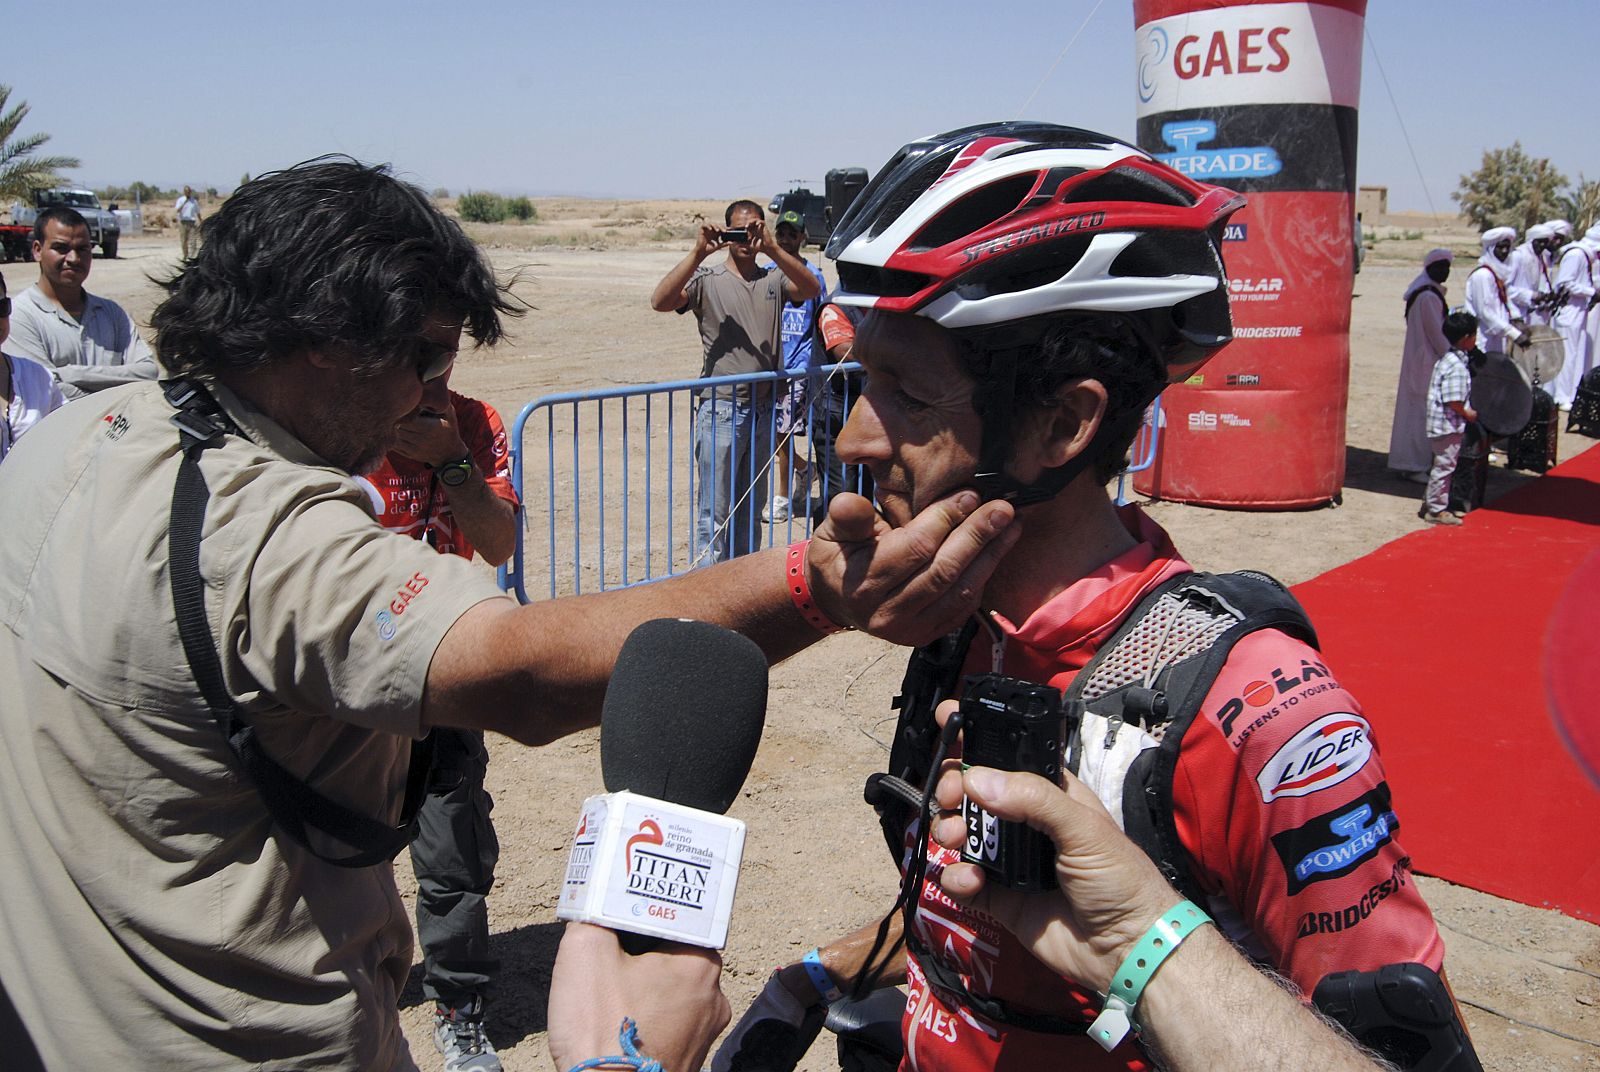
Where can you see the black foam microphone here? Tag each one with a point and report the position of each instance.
(683, 713)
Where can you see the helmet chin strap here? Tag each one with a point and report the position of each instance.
(991, 479)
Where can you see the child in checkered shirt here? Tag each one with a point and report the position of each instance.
(1449, 410)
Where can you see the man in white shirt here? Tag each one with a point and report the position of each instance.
(89, 343)
(188, 210)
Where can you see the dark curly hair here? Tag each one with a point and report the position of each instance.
(331, 254)
(1054, 349)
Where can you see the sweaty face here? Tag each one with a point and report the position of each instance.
(64, 254)
(914, 427)
(357, 424)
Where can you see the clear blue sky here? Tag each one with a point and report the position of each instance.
(713, 98)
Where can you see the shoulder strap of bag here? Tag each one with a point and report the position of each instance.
(294, 805)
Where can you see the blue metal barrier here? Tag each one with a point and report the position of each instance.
(620, 482)
(1144, 449)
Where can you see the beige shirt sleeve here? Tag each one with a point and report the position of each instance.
(331, 614)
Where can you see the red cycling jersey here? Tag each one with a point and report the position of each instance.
(407, 496)
(1281, 805)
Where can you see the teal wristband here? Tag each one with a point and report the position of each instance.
(819, 977)
(1147, 955)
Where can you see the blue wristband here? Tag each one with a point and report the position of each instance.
(1147, 955)
(630, 1057)
(820, 978)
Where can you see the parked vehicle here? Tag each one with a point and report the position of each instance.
(104, 230)
(16, 241)
(822, 211)
(812, 208)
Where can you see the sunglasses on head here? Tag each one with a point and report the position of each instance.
(433, 360)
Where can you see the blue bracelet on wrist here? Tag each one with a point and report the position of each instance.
(819, 977)
(628, 1036)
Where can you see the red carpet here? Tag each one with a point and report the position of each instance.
(1442, 636)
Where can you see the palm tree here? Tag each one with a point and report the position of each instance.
(20, 170)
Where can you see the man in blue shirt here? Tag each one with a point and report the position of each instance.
(791, 476)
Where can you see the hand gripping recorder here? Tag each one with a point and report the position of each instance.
(1010, 725)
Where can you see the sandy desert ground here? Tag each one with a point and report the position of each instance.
(815, 865)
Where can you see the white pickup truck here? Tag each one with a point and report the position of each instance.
(104, 231)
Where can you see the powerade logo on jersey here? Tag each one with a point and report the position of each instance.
(1354, 915)
(1323, 754)
(1185, 136)
(1337, 842)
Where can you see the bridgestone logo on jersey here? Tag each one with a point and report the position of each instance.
(1353, 915)
(1323, 754)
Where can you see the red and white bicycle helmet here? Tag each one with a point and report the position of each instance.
(996, 224)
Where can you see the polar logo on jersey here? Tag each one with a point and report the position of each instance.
(1326, 752)
(1337, 842)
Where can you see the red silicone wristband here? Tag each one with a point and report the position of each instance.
(800, 590)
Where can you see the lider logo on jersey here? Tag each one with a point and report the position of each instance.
(1245, 162)
(1323, 754)
(1337, 842)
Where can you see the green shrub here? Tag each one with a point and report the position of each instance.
(522, 209)
(482, 207)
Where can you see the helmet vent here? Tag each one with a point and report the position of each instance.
(906, 192)
(882, 282)
(974, 212)
(1128, 184)
(1025, 270)
(1158, 254)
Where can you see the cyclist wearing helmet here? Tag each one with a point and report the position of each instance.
(1031, 289)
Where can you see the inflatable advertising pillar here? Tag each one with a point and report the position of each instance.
(1261, 98)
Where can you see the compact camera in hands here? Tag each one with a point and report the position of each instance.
(1010, 725)
(739, 235)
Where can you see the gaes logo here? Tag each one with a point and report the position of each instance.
(386, 629)
(1151, 55)
(1323, 754)
(1185, 136)
(1246, 55)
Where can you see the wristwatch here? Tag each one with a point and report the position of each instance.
(454, 473)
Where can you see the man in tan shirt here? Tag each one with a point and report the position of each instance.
(153, 913)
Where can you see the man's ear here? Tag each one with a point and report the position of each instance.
(321, 359)
(1072, 423)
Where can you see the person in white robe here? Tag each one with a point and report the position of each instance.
(1488, 294)
(1410, 454)
(1576, 282)
(1531, 282)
